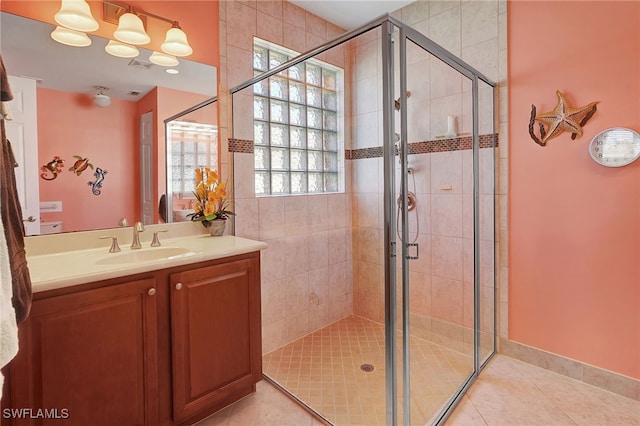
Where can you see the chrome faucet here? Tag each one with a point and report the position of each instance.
(137, 228)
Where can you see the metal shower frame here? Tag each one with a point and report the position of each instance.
(388, 26)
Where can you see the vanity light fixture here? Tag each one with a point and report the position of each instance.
(176, 42)
(121, 50)
(70, 37)
(163, 59)
(76, 15)
(131, 29)
(100, 99)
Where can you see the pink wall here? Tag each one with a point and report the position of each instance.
(574, 285)
(69, 124)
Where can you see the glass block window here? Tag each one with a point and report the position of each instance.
(192, 145)
(298, 125)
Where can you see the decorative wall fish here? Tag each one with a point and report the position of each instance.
(52, 168)
(97, 184)
(80, 165)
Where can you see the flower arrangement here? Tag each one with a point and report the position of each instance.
(211, 197)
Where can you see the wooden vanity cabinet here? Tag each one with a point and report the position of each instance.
(168, 347)
(216, 337)
(89, 356)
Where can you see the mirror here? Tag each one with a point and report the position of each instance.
(192, 142)
(87, 137)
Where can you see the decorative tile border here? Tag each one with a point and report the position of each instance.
(426, 147)
(358, 154)
(241, 145)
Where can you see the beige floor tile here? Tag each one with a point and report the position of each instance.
(510, 402)
(507, 393)
(465, 414)
(268, 406)
(348, 395)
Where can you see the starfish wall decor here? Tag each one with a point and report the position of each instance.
(563, 118)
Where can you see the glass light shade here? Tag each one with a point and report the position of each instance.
(176, 43)
(121, 50)
(76, 14)
(101, 100)
(163, 59)
(131, 30)
(70, 37)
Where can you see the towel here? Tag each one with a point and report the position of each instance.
(5, 89)
(8, 325)
(5, 111)
(11, 214)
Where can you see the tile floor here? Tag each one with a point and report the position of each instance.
(508, 392)
(323, 369)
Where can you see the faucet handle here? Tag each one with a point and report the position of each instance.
(156, 241)
(114, 243)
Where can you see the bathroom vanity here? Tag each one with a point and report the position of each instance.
(161, 337)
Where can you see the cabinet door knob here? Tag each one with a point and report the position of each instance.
(178, 286)
(152, 291)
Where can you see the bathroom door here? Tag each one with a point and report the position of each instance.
(22, 132)
(148, 205)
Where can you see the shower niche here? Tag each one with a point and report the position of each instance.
(395, 238)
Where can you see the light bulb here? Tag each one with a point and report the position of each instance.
(70, 37)
(121, 50)
(163, 59)
(131, 30)
(176, 43)
(76, 14)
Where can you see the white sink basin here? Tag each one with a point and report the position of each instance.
(155, 254)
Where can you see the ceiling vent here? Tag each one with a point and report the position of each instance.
(135, 63)
(134, 93)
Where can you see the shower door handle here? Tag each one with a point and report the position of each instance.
(417, 256)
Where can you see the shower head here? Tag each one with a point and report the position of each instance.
(396, 103)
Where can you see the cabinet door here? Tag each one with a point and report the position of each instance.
(216, 336)
(91, 356)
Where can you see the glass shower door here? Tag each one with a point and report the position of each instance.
(443, 179)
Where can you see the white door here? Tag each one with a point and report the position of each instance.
(146, 168)
(22, 132)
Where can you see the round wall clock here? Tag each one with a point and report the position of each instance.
(615, 147)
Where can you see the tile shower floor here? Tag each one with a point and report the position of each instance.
(507, 392)
(325, 370)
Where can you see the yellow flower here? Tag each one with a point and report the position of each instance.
(201, 191)
(221, 190)
(211, 196)
(209, 209)
(212, 177)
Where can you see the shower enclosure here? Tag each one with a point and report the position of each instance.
(379, 146)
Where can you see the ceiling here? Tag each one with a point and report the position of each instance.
(350, 14)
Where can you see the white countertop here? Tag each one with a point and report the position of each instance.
(50, 271)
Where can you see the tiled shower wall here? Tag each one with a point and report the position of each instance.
(306, 270)
(442, 278)
(311, 238)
